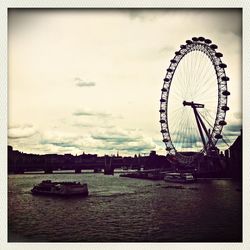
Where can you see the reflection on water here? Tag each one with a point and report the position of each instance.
(125, 210)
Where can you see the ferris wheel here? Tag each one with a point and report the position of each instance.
(193, 102)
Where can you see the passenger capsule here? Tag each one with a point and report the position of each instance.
(195, 39)
(178, 53)
(225, 78)
(213, 46)
(218, 136)
(173, 61)
(218, 54)
(162, 100)
(162, 121)
(223, 65)
(168, 148)
(166, 79)
(202, 39)
(163, 131)
(183, 46)
(208, 41)
(162, 111)
(225, 108)
(226, 93)
(222, 123)
(189, 42)
(169, 70)
(165, 140)
(164, 90)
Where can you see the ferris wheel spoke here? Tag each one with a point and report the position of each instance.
(205, 85)
(199, 67)
(177, 119)
(205, 89)
(209, 101)
(177, 95)
(178, 89)
(206, 68)
(177, 131)
(196, 134)
(186, 85)
(194, 69)
(182, 84)
(176, 111)
(182, 131)
(207, 82)
(195, 84)
(209, 116)
(187, 142)
(202, 82)
(205, 120)
(189, 69)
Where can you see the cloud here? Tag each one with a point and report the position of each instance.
(131, 141)
(117, 139)
(90, 113)
(82, 124)
(231, 21)
(101, 141)
(60, 144)
(81, 83)
(60, 139)
(184, 140)
(233, 128)
(91, 125)
(21, 131)
(95, 114)
(140, 148)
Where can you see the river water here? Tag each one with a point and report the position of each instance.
(125, 210)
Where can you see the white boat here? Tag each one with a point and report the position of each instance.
(48, 187)
(179, 177)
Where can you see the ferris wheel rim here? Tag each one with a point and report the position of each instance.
(207, 47)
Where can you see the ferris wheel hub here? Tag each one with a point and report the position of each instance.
(193, 105)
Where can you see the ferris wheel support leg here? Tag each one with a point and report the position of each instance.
(210, 142)
(199, 127)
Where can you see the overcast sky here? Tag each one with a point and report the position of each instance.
(90, 80)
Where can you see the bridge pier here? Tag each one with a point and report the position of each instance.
(48, 171)
(18, 171)
(78, 170)
(108, 169)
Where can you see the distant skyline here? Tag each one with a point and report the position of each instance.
(90, 80)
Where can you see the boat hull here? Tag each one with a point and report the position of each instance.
(45, 193)
(179, 181)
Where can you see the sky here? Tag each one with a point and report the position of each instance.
(82, 80)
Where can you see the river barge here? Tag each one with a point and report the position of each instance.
(145, 174)
(179, 177)
(64, 188)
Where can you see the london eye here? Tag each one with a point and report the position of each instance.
(193, 102)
